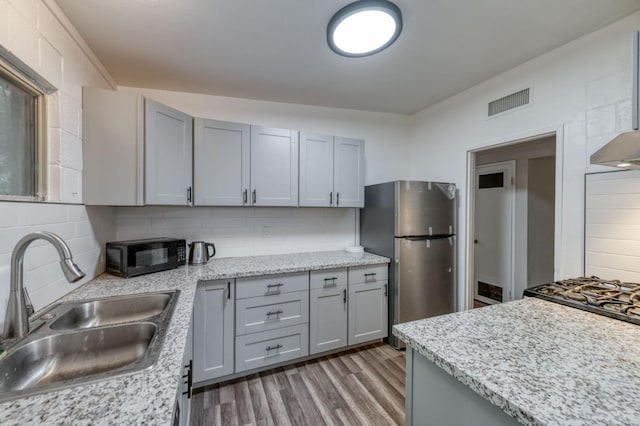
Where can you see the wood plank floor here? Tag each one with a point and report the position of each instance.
(363, 386)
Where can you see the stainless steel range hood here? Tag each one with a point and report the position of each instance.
(624, 150)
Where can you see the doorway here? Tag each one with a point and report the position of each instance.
(512, 212)
(495, 211)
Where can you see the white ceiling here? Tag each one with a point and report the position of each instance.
(276, 50)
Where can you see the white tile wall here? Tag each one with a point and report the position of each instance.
(241, 231)
(612, 225)
(85, 229)
(31, 31)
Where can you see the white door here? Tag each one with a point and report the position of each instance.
(316, 170)
(168, 155)
(494, 232)
(213, 330)
(221, 163)
(348, 180)
(274, 167)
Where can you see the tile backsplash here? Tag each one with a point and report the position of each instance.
(243, 231)
(84, 229)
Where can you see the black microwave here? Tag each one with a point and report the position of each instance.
(138, 257)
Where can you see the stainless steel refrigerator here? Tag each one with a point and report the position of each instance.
(414, 224)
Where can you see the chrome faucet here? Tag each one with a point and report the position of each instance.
(16, 321)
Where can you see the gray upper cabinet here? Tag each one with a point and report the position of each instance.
(221, 163)
(168, 155)
(331, 171)
(135, 151)
(348, 172)
(112, 148)
(316, 170)
(274, 167)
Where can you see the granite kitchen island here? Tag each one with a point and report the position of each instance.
(529, 361)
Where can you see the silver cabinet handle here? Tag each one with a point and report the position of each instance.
(189, 195)
(270, 348)
(337, 199)
(385, 290)
(278, 312)
(245, 196)
(331, 198)
(344, 296)
(254, 196)
(228, 290)
(274, 285)
(371, 274)
(331, 279)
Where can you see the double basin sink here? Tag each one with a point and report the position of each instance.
(86, 341)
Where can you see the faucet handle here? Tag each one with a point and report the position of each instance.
(27, 302)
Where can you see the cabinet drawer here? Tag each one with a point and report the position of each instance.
(370, 273)
(328, 278)
(271, 347)
(269, 285)
(270, 312)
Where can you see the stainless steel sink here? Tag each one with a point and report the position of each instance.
(68, 356)
(115, 310)
(87, 341)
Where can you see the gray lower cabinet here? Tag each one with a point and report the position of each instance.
(213, 330)
(272, 319)
(271, 347)
(328, 310)
(368, 307)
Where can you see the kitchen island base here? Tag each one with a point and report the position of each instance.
(434, 397)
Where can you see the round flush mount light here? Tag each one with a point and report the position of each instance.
(364, 27)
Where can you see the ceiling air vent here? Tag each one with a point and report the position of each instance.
(511, 101)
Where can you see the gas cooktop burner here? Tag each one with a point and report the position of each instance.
(612, 298)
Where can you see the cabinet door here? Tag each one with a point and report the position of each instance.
(168, 155)
(274, 167)
(221, 163)
(213, 334)
(367, 312)
(316, 170)
(348, 180)
(328, 319)
(184, 392)
(112, 147)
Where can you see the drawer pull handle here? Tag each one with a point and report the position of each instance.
(278, 312)
(331, 279)
(271, 348)
(371, 274)
(270, 286)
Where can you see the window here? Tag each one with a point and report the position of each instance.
(22, 172)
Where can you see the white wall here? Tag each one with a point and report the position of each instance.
(582, 90)
(30, 30)
(241, 231)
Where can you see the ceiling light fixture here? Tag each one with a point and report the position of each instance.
(623, 164)
(364, 27)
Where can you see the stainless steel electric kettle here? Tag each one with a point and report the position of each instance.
(199, 252)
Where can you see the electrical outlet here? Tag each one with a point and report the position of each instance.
(267, 231)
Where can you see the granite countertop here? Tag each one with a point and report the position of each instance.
(148, 397)
(541, 362)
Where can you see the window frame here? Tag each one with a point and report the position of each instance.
(19, 79)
